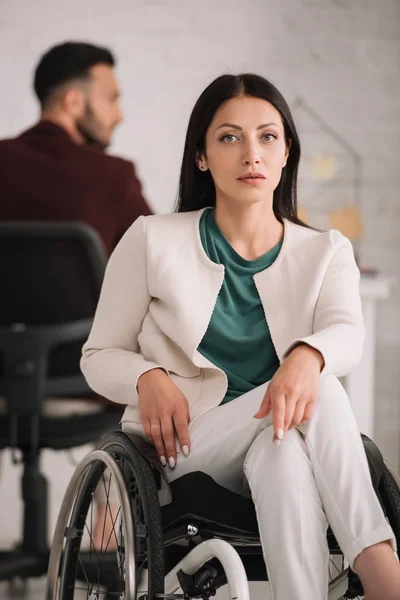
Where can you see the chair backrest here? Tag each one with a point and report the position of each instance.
(50, 272)
(50, 279)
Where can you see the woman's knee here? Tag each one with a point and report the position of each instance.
(332, 407)
(266, 462)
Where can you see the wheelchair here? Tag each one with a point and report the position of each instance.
(204, 538)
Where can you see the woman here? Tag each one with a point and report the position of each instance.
(231, 309)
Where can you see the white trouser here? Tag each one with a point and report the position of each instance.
(318, 474)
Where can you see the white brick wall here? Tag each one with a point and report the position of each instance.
(341, 56)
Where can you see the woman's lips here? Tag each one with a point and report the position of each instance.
(251, 180)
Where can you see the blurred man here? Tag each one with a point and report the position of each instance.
(58, 170)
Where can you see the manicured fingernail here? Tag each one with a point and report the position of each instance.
(279, 434)
(163, 461)
(185, 450)
(171, 462)
(277, 442)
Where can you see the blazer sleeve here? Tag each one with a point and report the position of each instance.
(111, 361)
(338, 328)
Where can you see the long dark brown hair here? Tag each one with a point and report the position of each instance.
(196, 188)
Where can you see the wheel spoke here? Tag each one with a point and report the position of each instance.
(91, 529)
(107, 491)
(91, 543)
(83, 570)
(102, 556)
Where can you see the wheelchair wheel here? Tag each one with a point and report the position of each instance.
(389, 489)
(142, 490)
(79, 570)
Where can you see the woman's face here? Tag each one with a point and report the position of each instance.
(245, 137)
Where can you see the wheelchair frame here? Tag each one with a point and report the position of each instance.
(192, 572)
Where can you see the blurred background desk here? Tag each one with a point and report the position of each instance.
(360, 384)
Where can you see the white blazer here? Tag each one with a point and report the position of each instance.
(159, 293)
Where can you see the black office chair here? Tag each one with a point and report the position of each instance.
(50, 274)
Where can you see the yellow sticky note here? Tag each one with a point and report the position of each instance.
(323, 167)
(348, 221)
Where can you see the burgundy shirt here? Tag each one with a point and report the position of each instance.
(45, 175)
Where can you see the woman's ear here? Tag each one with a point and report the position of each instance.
(201, 161)
(287, 150)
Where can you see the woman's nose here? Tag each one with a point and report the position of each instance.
(251, 155)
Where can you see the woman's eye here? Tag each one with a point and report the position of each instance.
(270, 136)
(229, 137)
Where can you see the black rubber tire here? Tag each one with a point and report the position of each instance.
(390, 494)
(140, 475)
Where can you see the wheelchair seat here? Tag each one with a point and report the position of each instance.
(198, 498)
(204, 510)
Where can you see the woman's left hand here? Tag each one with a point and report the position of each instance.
(293, 391)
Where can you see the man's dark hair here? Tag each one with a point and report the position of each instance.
(66, 62)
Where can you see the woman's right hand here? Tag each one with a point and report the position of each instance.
(164, 412)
